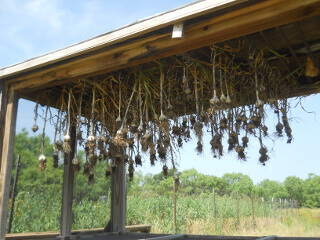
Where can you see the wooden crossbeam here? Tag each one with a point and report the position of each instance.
(168, 237)
(128, 32)
(271, 237)
(231, 24)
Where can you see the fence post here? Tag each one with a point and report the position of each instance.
(273, 209)
(238, 210)
(214, 204)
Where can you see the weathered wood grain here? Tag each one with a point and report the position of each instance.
(168, 237)
(67, 190)
(7, 158)
(40, 235)
(118, 198)
(271, 237)
(236, 23)
(128, 32)
(3, 110)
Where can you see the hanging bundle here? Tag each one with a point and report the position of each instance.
(161, 105)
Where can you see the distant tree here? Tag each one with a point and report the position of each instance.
(271, 189)
(30, 176)
(311, 193)
(294, 186)
(238, 183)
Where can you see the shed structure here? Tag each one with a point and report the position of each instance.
(263, 35)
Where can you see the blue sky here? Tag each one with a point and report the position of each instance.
(34, 27)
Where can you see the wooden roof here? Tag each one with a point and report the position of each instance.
(205, 23)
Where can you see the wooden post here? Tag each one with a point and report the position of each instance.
(67, 190)
(3, 111)
(14, 193)
(8, 128)
(118, 198)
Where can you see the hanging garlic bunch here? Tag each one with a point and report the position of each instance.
(55, 154)
(118, 119)
(67, 137)
(223, 98)
(35, 127)
(140, 128)
(102, 138)
(259, 102)
(228, 99)
(59, 143)
(214, 100)
(163, 117)
(120, 138)
(91, 139)
(43, 158)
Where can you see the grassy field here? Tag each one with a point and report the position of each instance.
(195, 215)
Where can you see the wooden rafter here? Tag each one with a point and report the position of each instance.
(219, 27)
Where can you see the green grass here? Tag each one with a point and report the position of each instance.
(36, 212)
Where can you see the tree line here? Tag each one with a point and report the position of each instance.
(191, 182)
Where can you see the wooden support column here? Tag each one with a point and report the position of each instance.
(118, 198)
(3, 110)
(7, 145)
(67, 191)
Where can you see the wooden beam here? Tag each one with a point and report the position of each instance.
(118, 198)
(52, 234)
(7, 158)
(67, 191)
(271, 237)
(128, 32)
(232, 24)
(168, 237)
(3, 110)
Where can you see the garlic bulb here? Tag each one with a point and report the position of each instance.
(223, 98)
(214, 100)
(228, 100)
(75, 160)
(35, 128)
(118, 119)
(91, 138)
(59, 143)
(67, 138)
(163, 117)
(259, 103)
(140, 128)
(102, 138)
(42, 158)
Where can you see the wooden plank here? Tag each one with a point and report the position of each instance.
(118, 198)
(130, 31)
(52, 234)
(3, 110)
(143, 228)
(169, 237)
(221, 237)
(236, 23)
(7, 158)
(271, 237)
(67, 191)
